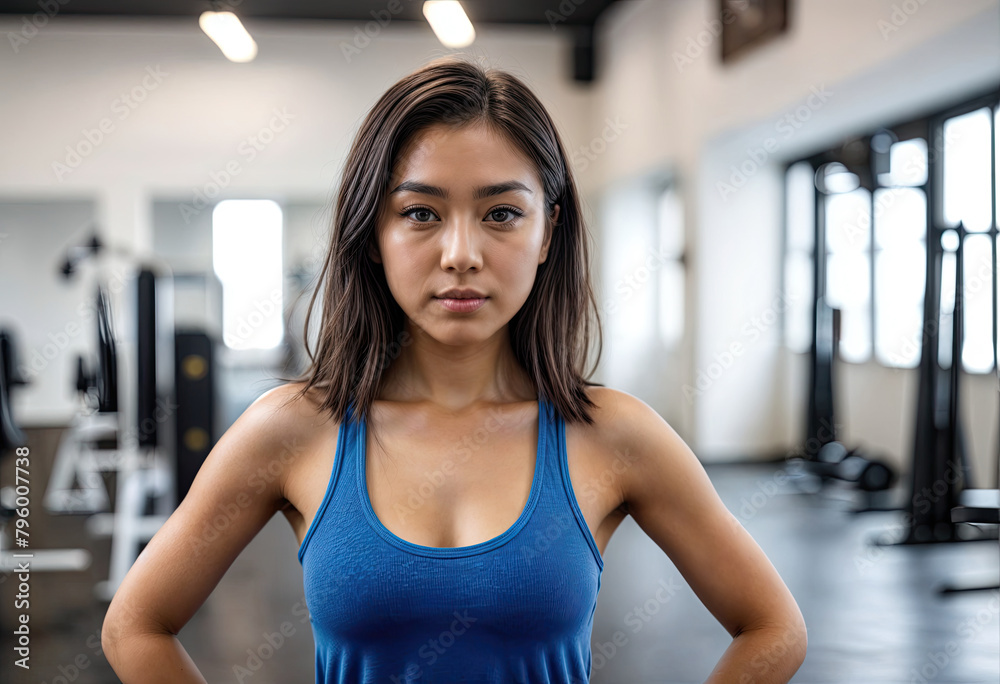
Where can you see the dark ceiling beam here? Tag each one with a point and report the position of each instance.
(576, 16)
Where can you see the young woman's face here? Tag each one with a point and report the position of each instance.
(465, 210)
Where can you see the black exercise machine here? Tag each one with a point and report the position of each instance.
(13, 438)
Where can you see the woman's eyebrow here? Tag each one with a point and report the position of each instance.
(477, 193)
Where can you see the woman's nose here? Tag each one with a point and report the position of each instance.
(461, 248)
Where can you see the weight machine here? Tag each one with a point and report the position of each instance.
(127, 411)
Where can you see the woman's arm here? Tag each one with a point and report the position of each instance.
(236, 492)
(672, 499)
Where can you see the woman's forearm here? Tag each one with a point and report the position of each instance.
(152, 659)
(761, 656)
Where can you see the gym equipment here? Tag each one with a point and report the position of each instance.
(145, 488)
(12, 437)
(938, 443)
(124, 426)
(198, 322)
(195, 421)
(88, 448)
(10, 434)
(825, 458)
(834, 460)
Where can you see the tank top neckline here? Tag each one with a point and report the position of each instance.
(361, 453)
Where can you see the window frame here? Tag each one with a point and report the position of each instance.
(854, 153)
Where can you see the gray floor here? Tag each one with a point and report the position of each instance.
(874, 614)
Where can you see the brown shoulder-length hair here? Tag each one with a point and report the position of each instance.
(362, 326)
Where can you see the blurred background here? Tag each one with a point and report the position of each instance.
(794, 208)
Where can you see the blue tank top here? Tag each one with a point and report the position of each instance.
(516, 608)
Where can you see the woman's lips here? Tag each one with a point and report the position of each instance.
(462, 305)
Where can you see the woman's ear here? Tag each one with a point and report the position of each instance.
(548, 234)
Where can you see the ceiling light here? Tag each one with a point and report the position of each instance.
(228, 33)
(449, 22)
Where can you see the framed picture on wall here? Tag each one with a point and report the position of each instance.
(747, 24)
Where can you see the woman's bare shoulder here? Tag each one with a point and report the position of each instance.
(291, 407)
(287, 421)
(625, 426)
(614, 410)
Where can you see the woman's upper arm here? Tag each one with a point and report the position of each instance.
(235, 493)
(671, 498)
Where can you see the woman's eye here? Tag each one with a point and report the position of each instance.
(511, 214)
(419, 214)
(501, 215)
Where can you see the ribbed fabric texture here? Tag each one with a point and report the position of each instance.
(517, 608)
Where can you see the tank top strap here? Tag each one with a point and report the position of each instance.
(352, 441)
(558, 499)
(550, 421)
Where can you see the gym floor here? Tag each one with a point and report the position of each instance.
(874, 612)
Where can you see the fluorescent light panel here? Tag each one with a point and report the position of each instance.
(449, 22)
(228, 33)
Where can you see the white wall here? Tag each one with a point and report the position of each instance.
(698, 118)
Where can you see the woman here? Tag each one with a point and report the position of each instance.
(463, 541)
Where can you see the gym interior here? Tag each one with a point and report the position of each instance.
(793, 207)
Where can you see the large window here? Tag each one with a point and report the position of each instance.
(968, 159)
(670, 219)
(246, 255)
(877, 235)
(800, 235)
(900, 250)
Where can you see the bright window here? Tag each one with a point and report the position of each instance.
(877, 242)
(670, 216)
(798, 280)
(848, 270)
(968, 198)
(246, 255)
(967, 175)
(900, 271)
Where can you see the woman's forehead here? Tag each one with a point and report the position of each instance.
(463, 161)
